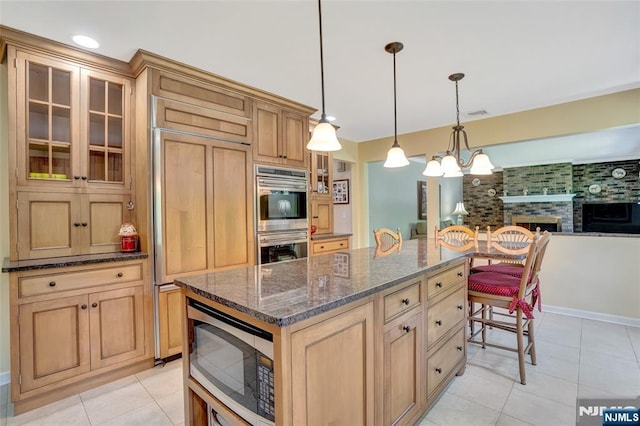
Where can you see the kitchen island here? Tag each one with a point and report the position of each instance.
(358, 338)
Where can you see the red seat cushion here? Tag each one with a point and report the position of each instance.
(501, 268)
(504, 285)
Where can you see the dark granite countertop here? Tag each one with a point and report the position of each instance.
(59, 262)
(319, 237)
(287, 292)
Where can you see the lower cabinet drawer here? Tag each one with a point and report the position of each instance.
(329, 245)
(444, 315)
(45, 284)
(438, 283)
(401, 301)
(439, 364)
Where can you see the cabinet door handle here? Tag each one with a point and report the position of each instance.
(76, 224)
(314, 217)
(460, 274)
(284, 156)
(460, 307)
(405, 301)
(438, 322)
(459, 348)
(439, 284)
(120, 275)
(94, 305)
(84, 178)
(406, 328)
(84, 224)
(83, 307)
(439, 370)
(52, 284)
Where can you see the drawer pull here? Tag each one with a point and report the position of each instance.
(439, 370)
(438, 322)
(84, 224)
(120, 274)
(94, 305)
(341, 244)
(76, 177)
(405, 301)
(439, 284)
(83, 307)
(84, 178)
(52, 284)
(460, 274)
(76, 224)
(321, 247)
(459, 348)
(460, 307)
(406, 328)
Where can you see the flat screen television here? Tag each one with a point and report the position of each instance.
(620, 218)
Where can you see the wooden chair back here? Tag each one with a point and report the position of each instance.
(511, 239)
(456, 234)
(387, 240)
(533, 264)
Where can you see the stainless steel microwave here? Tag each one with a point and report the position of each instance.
(281, 203)
(233, 360)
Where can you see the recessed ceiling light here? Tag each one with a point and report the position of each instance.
(85, 41)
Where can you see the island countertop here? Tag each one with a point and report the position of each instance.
(283, 293)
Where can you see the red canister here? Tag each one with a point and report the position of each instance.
(128, 243)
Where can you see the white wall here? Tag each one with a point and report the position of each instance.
(593, 274)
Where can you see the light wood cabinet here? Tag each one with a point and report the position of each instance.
(281, 135)
(321, 175)
(170, 322)
(70, 134)
(329, 245)
(73, 124)
(445, 322)
(53, 224)
(322, 215)
(206, 199)
(76, 327)
(332, 370)
(403, 368)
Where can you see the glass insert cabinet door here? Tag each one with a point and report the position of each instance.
(50, 119)
(105, 132)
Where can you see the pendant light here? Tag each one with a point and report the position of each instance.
(395, 156)
(452, 164)
(324, 136)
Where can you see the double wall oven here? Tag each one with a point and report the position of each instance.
(281, 213)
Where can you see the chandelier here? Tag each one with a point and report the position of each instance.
(452, 163)
(395, 156)
(324, 136)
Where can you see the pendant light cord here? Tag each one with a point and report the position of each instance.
(395, 112)
(321, 56)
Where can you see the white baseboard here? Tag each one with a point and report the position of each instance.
(5, 377)
(597, 316)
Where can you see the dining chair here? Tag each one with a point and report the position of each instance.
(517, 295)
(387, 241)
(456, 234)
(507, 239)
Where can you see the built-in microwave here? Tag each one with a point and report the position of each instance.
(281, 203)
(233, 360)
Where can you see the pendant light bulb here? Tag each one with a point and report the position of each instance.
(433, 168)
(395, 156)
(324, 136)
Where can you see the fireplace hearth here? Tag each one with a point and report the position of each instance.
(545, 223)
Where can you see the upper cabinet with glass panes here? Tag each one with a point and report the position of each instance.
(76, 125)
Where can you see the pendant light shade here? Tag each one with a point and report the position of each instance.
(452, 164)
(395, 156)
(324, 136)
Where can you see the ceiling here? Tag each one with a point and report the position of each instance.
(516, 55)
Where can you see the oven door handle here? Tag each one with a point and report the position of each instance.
(279, 184)
(269, 241)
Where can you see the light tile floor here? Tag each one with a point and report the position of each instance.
(576, 357)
